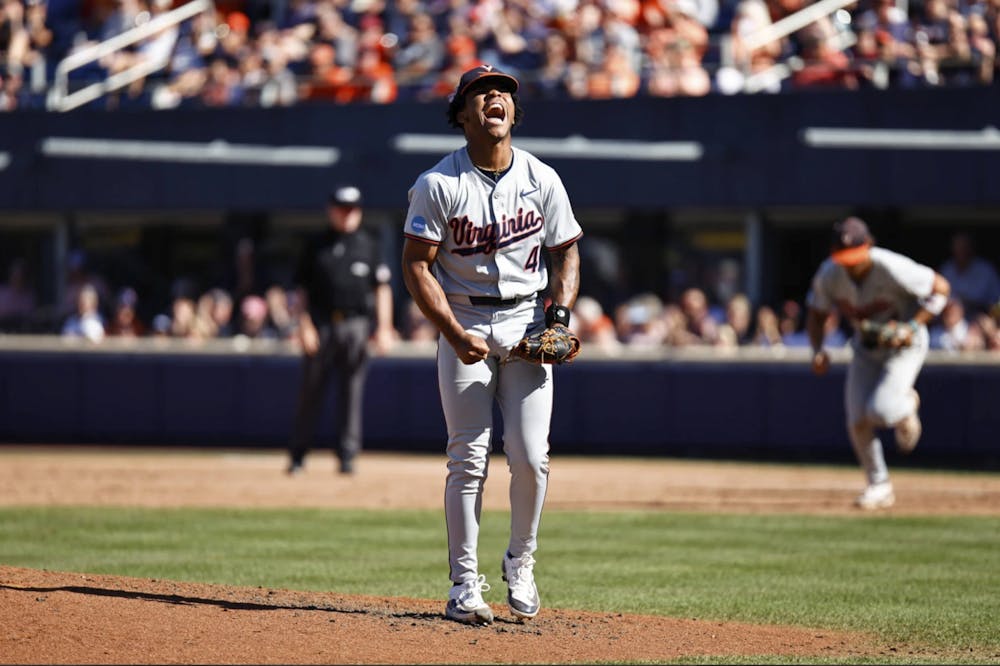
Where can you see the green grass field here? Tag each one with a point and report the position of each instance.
(928, 580)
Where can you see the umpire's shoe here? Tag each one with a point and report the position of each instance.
(522, 594)
(465, 602)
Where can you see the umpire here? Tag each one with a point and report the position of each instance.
(343, 287)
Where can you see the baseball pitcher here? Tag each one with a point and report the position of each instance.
(479, 227)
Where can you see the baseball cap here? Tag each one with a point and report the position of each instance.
(504, 80)
(346, 195)
(850, 242)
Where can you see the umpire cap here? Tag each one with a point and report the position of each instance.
(346, 195)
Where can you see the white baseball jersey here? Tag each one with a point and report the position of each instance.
(878, 391)
(892, 290)
(491, 234)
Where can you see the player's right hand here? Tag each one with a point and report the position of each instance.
(471, 349)
(820, 362)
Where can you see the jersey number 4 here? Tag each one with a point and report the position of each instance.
(531, 265)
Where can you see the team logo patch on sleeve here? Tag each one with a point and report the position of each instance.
(418, 224)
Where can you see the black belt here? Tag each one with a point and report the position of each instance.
(496, 300)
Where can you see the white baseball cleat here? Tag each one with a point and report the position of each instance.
(522, 594)
(465, 602)
(909, 429)
(876, 496)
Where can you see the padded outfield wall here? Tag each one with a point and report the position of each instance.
(701, 403)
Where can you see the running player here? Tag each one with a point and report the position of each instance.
(473, 261)
(873, 284)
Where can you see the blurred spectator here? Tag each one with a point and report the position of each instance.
(184, 312)
(184, 318)
(594, 327)
(24, 41)
(983, 48)
(989, 326)
(279, 313)
(461, 58)
(885, 49)
(767, 332)
(833, 336)
(204, 321)
(951, 332)
(675, 325)
(674, 47)
(973, 279)
(150, 54)
(125, 321)
(700, 323)
(639, 323)
(79, 275)
(254, 322)
(735, 330)
(17, 298)
(942, 41)
(421, 54)
(86, 322)
(755, 64)
(222, 312)
(790, 320)
(222, 86)
(615, 77)
(333, 30)
(326, 78)
(824, 63)
(550, 80)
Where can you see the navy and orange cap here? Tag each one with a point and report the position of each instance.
(851, 242)
(505, 81)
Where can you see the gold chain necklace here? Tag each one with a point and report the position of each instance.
(494, 173)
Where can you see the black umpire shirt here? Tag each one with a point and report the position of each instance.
(339, 272)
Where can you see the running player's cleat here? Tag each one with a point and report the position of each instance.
(876, 496)
(465, 602)
(909, 429)
(522, 594)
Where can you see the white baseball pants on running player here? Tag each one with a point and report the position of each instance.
(877, 395)
(524, 393)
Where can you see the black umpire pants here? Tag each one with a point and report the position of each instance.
(343, 350)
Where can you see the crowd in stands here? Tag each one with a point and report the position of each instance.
(249, 307)
(284, 52)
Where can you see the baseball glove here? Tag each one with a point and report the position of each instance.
(555, 344)
(890, 335)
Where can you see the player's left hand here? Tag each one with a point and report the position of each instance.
(555, 344)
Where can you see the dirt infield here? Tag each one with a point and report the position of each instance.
(58, 617)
